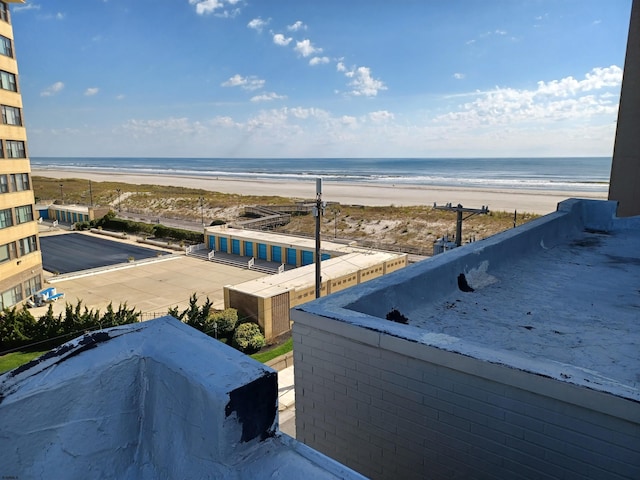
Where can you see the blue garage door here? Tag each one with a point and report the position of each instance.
(262, 251)
(248, 249)
(307, 257)
(276, 254)
(44, 213)
(235, 246)
(212, 242)
(223, 244)
(324, 256)
(291, 256)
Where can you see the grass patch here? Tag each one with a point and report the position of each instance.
(14, 360)
(264, 357)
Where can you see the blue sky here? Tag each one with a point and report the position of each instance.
(330, 78)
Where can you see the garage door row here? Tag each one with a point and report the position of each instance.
(263, 251)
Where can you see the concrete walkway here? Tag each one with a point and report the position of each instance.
(286, 402)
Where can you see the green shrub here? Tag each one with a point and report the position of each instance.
(248, 338)
(162, 231)
(226, 321)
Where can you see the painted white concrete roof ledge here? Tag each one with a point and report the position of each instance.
(558, 297)
(151, 400)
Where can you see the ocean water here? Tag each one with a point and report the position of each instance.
(569, 174)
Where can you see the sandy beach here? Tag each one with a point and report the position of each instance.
(532, 201)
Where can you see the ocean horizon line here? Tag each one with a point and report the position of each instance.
(536, 173)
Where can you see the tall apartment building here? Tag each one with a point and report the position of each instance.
(20, 258)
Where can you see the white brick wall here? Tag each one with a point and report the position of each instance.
(392, 408)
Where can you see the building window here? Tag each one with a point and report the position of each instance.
(6, 220)
(5, 252)
(15, 149)
(10, 297)
(24, 214)
(11, 115)
(20, 182)
(4, 12)
(8, 81)
(5, 46)
(28, 245)
(32, 286)
(4, 185)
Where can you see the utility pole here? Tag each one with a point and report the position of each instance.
(119, 201)
(202, 210)
(90, 195)
(318, 210)
(61, 195)
(459, 209)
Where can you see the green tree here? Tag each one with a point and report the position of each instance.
(194, 316)
(17, 327)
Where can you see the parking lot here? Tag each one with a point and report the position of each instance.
(151, 287)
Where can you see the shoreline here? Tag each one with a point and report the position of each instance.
(531, 201)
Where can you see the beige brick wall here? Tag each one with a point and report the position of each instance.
(391, 408)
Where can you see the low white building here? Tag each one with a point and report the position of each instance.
(520, 358)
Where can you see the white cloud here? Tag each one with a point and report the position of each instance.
(296, 26)
(458, 76)
(306, 49)
(381, 116)
(204, 7)
(280, 39)
(181, 126)
(305, 113)
(567, 99)
(267, 97)
(362, 83)
(60, 16)
(348, 121)
(257, 24)
(91, 91)
(216, 7)
(52, 89)
(28, 6)
(246, 83)
(319, 61)
(120, 96)
(340, 67)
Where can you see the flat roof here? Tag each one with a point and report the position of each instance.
(269, 237)
(558, 297)
(304, 277)
(67, 208)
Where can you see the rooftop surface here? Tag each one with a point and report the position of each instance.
(304, 277)
(156, 399)
(559, 297)
(272, 238)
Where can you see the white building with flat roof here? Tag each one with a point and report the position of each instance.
(520, 358)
